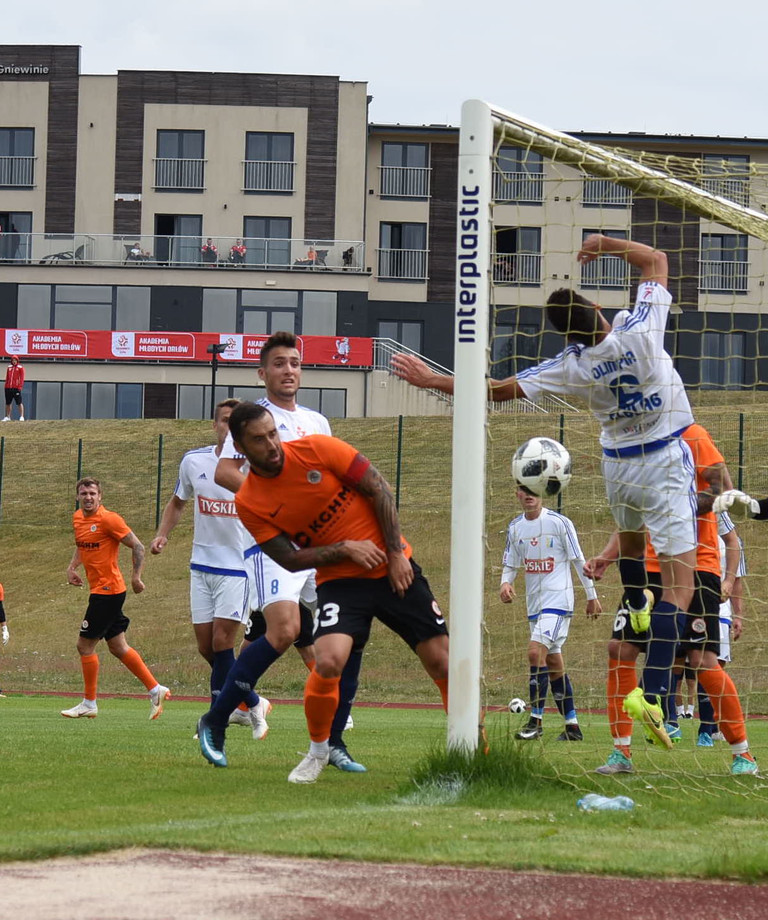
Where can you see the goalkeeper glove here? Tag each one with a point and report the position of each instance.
(737, 504)
(6, 635)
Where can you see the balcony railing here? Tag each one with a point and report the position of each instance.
(609, 272)
(734, 188)
(517, 268)
(518, 186)
(157, 252)
(404, 181)
(604, 193)
(17, 172)
(268, 176)
(175, 174)
(732, 277)
(403, 264)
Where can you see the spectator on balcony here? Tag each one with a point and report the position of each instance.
(137, 254)
(210, 253)
(237, 253)
(348, 257)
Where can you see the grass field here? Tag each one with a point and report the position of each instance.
(119, 780)
(154, 789)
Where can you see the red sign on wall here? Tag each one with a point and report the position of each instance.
(326, 351)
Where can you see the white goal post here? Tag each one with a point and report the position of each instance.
(484, 128)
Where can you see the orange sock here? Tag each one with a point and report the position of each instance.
(725, 701)
(310, 664)
(442, 686)
(321, 700)
(90, 666)
(133, 661)
(244, 707)
(622, 679)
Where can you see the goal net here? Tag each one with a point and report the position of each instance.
(528, 197)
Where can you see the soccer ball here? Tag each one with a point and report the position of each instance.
(542, 466)
(517, 705)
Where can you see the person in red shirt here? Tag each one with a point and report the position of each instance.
(98, 536)
(14, 383)
(317, 502)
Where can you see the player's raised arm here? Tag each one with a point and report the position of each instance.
(418, 374)
(652, 263)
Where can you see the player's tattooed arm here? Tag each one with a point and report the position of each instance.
(280, 548)
(374, 486)
(137, 560)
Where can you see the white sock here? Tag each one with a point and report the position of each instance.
(318, 748)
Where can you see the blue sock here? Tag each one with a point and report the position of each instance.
(706, 713)
(247, 669)
(539, 683)
(666, 620)
(634, 579)
(222, 664)
(668, 702)
(347, 691)
(562, 691)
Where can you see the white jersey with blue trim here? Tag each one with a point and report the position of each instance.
(543, 548)
(219, 537)
(627, 379)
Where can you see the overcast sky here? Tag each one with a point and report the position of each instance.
(660, 66)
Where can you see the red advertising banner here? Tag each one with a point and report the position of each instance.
(100, 345)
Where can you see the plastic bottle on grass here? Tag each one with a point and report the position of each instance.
(594, 802)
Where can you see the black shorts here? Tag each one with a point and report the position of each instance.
(348, 605)
(622, 627)
(702, 627)
(11, 394)
(104, 618)
(257, 626)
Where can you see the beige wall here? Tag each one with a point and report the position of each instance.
(95, 193)
(25, 105)
(351, 163)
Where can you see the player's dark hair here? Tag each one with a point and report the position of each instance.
(245, 412)
(87, 481)
(231, 403)
(574, 316)
(276, 340)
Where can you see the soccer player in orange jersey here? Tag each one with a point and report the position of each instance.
(98, 536)
(317, 502)
(700, 639)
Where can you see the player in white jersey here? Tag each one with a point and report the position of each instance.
(218, 592)
(623, 372)
(543, 543)
(278, 592)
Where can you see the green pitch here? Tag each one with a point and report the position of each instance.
(119, 780)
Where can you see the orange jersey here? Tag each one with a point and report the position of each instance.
(98, 537)
(2, 593)
(705, 454)
(314, 502)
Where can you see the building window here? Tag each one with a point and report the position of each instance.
(608, 271)
(517, 257)
(724, 263)
(403, 252)
(513, 349)
(179, 165)
(269, 165)
(54, 400)
(518, 175)
(267, 241)
(722, 360)
(727, 176)
(604, 193)
(408, 334)
(404, 170)
(17, 158)
(15, 236)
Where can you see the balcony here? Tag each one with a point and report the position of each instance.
(267, 176)
(607, 272)
(604, 193)
(404, 181)
(727, 277)
(520, 187)
(402, 264)
(517, 268)
(734, 188)
(164, 252)
(175, 175)
(17, 172)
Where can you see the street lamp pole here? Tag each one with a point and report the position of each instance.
(214, 350)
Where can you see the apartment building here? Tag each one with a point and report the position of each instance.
(150, 218)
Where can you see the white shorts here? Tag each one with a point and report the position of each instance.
(550, 630)
(655, 491)
(216, 596)
(271, 583)
(725, 641)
